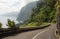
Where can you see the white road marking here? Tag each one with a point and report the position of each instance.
(39, 34)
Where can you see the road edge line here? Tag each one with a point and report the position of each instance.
(39, 34)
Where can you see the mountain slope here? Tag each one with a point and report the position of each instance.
(26, 11)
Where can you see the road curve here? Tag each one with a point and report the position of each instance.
(46, 33)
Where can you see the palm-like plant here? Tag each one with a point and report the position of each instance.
(10, 23)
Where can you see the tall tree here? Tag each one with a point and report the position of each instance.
(0, 25)
(58, 17)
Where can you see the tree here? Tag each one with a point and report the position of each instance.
(45, 11)
(58, 17)
(0, 25)
(10, 23)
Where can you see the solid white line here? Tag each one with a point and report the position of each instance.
(39, 34)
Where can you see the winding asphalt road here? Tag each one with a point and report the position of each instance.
(46, 33)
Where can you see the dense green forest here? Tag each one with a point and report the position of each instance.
(44, 12)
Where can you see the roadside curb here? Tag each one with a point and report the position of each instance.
(57, 35)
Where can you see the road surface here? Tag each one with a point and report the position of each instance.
(46, 33)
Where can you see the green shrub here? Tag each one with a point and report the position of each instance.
(44, 12)
(10, 23)
(0, 25)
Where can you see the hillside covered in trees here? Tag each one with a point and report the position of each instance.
(44, 12)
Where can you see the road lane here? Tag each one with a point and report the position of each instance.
(37, 35)
(46, 33)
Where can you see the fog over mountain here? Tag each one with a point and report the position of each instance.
(26, 11)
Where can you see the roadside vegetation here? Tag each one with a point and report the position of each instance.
(0, 25)
(33, 26)
(10, 23)
(44, 13)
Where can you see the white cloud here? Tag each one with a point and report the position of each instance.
(12, 5)
(9, 6)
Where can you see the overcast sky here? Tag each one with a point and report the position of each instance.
(7, 6)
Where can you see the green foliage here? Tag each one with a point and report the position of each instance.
(44, 12)
(10, 23)
(0, 25)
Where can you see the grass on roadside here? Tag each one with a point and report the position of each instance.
(33, 25)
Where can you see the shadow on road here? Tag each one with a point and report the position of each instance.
(0, 37)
